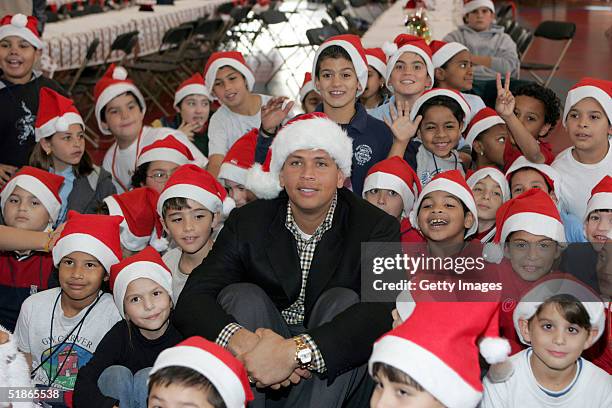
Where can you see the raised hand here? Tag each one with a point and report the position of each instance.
(189, 129)
(273, 114)
(402, 127)
(504, 104)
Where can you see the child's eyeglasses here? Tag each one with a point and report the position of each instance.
(159, 177)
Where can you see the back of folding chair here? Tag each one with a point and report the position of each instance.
(175, 37)
(516, 32)
(124, 43)
(91, 50)
(523, 42)
(504, 12)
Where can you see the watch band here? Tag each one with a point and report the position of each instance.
(301, 345)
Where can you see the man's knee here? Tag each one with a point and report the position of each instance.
(332, 302)
(237, 294)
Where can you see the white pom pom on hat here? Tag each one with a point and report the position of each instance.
(19, 20)
(120, 73)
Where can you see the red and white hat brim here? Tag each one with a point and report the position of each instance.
(392, 182)
(377, 64)
(36, 188)
(465, 107)
(496, 175)
(447, 52)
(136, 270)
(481, 126)
(10, 30)
(163, 154)
(232, 172)
(211, 74)
(361, 67)
(210, 366)
(111, 92)
(533, 223)
(397, 54)
(57, 125)
(599, 201)
(129, 240)
(522, 163)
(588, 91)
(193, 192)
(81, 242)
(427, 369)
(476, 4)
(191, 89)
(306, 89)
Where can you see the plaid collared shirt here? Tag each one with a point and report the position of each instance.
(294, 314)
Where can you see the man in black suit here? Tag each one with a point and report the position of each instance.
(281, 286)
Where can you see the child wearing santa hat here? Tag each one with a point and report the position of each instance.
(558, 319)
(59, 329)
(20, 87)
(192, 105)
(158, 161)
(29, 201)
(309, 96)
(190, 206)
(118, 372)
(487, 134)
(375, 93)
(120, 110)
(199, 372)
(491, 190)
(231, 82)
(236, 164)
(587, 116)
(60, 149)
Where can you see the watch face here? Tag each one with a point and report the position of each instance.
(305, 356)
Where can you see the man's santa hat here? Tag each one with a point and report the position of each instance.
(55, 114)
(425, 347)
(311, 131)
(195, 183)
(352, 45)
(377, 59)
(471, 5)
(483, 120)
(239, 158)
(534, 212)
(140, 225)
(601, 196)
(407, 43)
(191, 86)
(96, 235)
(396, 175)
(232, 59)
(496, 175)
(113, 83)
(436, 92)
(22, 26)
(531, 301)
(443, 51)
(551, 176)
(166, 149)
(225, 372)
(598, 89)
(145, 264)
(307, 86)
(41, 184)
(452, 182)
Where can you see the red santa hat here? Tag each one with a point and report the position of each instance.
(598, 89)
(22, 26)
(396, 175)
(43, 185)
(531, 301)
(55, 114)
(311, 131)
(113, 83)
(191, 86)
(140, 225)
(443, 51)
(601, 196)
(167, 149)
(483, 120)
(534, 212)
(471, 5)
(552, 177)
(425, 347)
(307, 86)
(377, 59)
(97, 235)
(451, 181)
(233, 59)
(216, 364)
(352, 45)
(407, 43)
(239, 158)
(195, 183)
(145, 264)
(451, 93)
(496, 175)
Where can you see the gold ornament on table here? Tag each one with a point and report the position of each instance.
(417, 25)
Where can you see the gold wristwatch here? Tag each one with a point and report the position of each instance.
(303, 353)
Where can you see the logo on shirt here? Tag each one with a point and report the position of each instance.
(25, 125)
(363, 154)
(65, 363)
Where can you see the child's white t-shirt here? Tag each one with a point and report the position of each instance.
(592, 387)
(428, 164)
(226, 127)
(33, 332)
(125, 159)
(579, 179)
(172, 259)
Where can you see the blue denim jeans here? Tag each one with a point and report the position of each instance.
(130, 389)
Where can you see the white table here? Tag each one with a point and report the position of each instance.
(66, 41)
(445, 18)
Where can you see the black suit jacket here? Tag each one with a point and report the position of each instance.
(255, 246)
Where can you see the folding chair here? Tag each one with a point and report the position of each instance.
(523, 42)
(516, 32)
(553, 31)
(504, 12)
